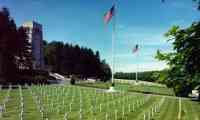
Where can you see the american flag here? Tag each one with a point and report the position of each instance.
(109, 14)
(135, 49)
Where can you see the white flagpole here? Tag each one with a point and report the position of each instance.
(113, 55)
(113, 42)
(136, 74)
(137, 65)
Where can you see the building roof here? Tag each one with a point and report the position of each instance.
(32, 24)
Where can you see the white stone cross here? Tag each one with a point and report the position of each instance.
(65, 116)
(106, 116)
(70, 107)
(1, 111)
(129, 107)
(116, 115)
(133, 106)
(100, 107)
(144, 116)
(123, 112)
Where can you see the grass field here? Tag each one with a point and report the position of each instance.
(68, 102)
(148, 89)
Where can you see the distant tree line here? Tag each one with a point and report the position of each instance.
(71, 59)
(151, 76)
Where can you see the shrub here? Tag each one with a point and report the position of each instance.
(73, 80)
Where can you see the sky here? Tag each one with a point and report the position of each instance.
(142, 22)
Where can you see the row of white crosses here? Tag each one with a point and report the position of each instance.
(125, 105)
(21, 102)
(1, 107)
(75, 96)
(47, 94)
(153, 110)
(38, 102)
(43, 92)
(114, 103)
(74, 91)
(5, 101)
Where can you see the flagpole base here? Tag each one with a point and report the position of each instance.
(111, 89)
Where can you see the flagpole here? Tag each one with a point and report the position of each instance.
(113, 42)
(136, 68)
(137, 56)
(136, 74)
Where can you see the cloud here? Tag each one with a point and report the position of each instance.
(143, 35)
(124, 55)
(149, 39)
(141, 56)
(140, 67)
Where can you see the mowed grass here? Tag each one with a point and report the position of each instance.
(148, 89)
(55, 102)
(151, 89)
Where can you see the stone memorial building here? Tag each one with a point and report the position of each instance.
(35, 38)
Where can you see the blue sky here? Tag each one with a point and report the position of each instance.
(81, 22)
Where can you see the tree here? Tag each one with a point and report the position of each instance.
(184, 65)
(151, 76)
(13, 46)
(54, 55)
(105, 74)
(75, 60)
(198, 3)
(8, 44)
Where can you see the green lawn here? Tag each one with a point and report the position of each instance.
(85, 103)
(151, 89)
(148, 89)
